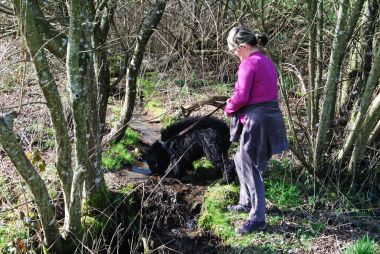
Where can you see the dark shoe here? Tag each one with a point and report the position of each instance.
(251, 226)
(238, 208)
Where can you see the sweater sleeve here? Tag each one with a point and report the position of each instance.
(243, 88)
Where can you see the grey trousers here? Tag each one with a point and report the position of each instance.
(251, 178)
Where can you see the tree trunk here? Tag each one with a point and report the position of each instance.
(53, 101)
(148, 26)
(312, 62)
(362, 112)
(78, 63)
(364, 135)
(24, 167)
(53, 40)
(320, 60)
(360, 62)
(341, 38)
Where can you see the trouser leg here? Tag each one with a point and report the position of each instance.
(244, 198)
(257, 192)
(251, 184)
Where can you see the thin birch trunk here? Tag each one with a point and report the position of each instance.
(52, 97)
(319, 67)
(362, 112)
(312, 63)
(76, 62)
(375, 134)
(24, 167)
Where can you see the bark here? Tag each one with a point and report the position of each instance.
(374, 134)
(77, 65)
(361, 115)
(55, 41)
(341, 38)
(24, 167)
(360, 62)
(367, 128)
(319, 67)
(53, 101)
(148, 26)
(312, 62)
(103, 17)
(96, 66)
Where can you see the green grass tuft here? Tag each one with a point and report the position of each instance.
(365, 245)
(282, 194)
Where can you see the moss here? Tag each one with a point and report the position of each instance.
(202, 163)
(118, 155)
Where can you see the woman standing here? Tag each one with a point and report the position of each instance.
(256, 120)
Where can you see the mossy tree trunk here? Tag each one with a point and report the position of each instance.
(13, 149)
(343, 33)
(33, 37)
(149, 24)
(82, 85)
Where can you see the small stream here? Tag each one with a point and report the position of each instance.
(171, 213)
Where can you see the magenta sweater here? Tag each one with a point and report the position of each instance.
(257, 82)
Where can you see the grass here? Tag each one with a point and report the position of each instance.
(365, 245)
(216, 218)
(283, 194)
(118, 155)
(202, 164)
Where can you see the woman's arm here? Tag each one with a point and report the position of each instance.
(243, 88)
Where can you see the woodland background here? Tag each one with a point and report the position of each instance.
(75, 60)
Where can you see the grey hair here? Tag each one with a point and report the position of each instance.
(239, 35)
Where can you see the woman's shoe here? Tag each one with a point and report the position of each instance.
(239, 208)
(251, 226)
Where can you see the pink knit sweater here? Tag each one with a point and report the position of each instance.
(257, 82)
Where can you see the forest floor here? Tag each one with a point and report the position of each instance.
(171, 208)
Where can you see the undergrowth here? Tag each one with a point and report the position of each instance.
(365, 245)
(296, 216)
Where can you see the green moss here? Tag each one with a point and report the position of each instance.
(118, 155)
(131, 137)
(155, 107)
(202, 163)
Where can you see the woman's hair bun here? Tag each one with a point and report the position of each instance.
(261, 39)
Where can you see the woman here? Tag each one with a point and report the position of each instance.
(256, 120)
